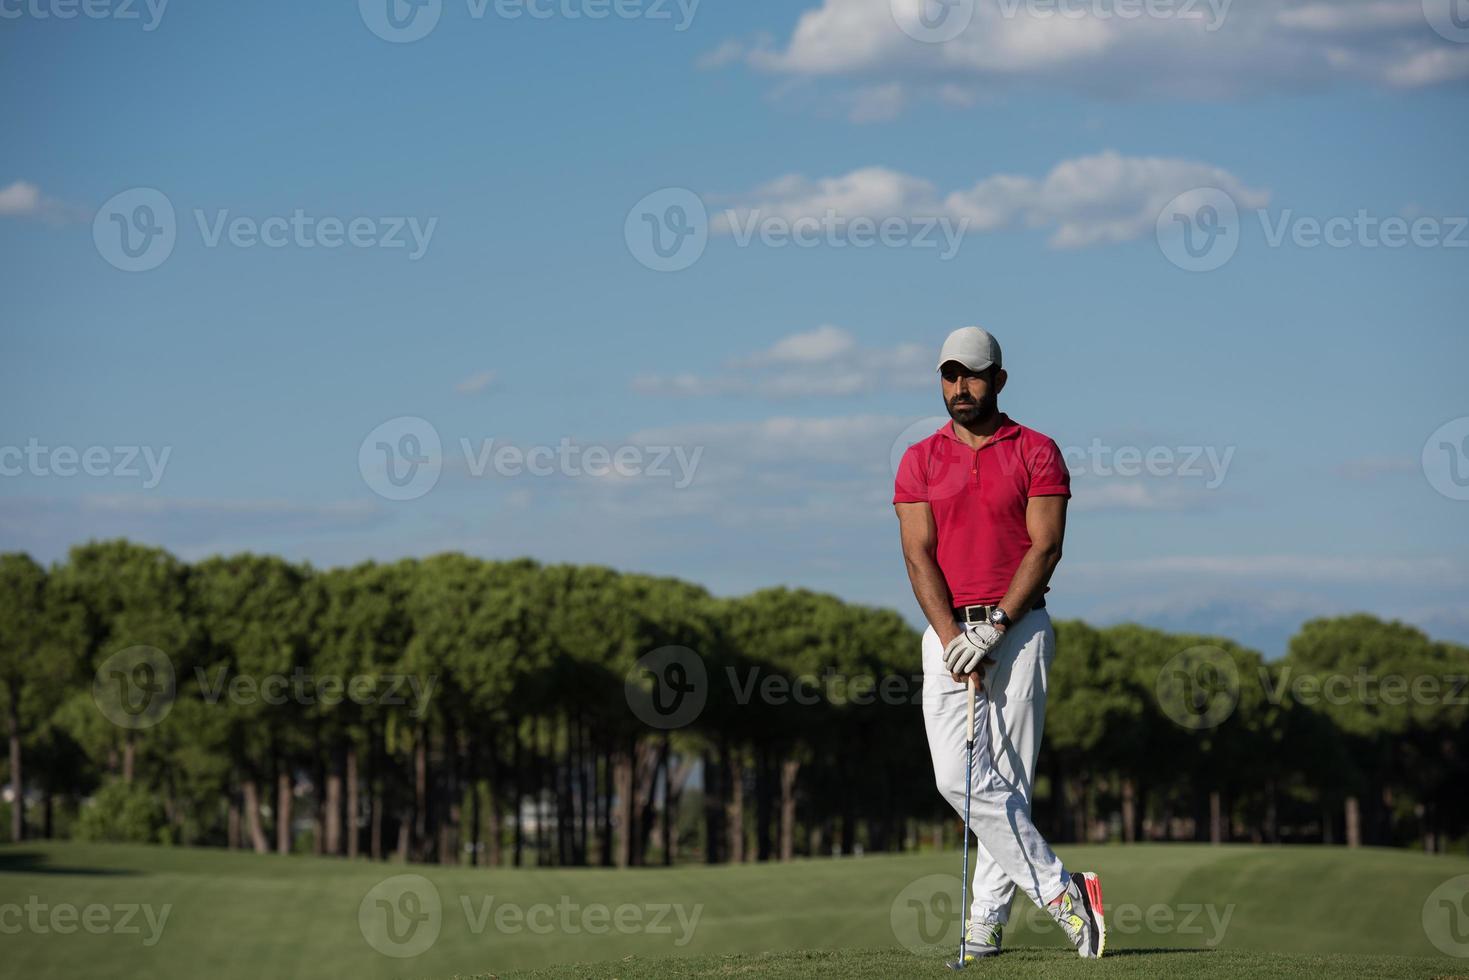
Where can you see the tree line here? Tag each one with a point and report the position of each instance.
(458, 710)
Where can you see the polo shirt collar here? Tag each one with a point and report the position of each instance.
(1009, 429)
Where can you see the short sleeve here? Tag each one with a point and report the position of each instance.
(911, 486)
(1049, 476)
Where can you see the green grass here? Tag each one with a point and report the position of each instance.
(1240, 911)
(882, 964)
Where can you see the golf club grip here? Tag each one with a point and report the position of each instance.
(969, 693)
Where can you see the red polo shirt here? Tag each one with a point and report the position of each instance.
(978, 502)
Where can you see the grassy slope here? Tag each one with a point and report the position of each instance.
(243, 915)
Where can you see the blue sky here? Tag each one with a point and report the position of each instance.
(1055, 148)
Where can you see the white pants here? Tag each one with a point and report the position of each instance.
(1010, 715)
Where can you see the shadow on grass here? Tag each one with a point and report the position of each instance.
(32, 863)
(1154, 952)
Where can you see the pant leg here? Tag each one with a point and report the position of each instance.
(1018, 682)
(999, 815)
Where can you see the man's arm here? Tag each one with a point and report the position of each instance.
(1045, 522)
(915, 523)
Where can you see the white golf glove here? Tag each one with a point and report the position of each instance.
(968, 651)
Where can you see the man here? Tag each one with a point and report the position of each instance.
(982, 511)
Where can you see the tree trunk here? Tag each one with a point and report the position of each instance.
(668, 825)
(333, 816)
(517, 779)
(789, 769)
(606, 797)
(1129, 811)
(17, 773)
(232, 824)
(1216, 818)
(622, 788)
(713, 805)
(419, 843)
(1354, 822)
(283, 810)
(352, 802)
(734, 772)
(129, 756)
(252, 817)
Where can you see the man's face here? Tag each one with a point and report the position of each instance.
(970, 397)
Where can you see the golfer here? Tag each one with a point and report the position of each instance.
(982, 510)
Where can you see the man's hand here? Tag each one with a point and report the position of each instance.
(970, 650)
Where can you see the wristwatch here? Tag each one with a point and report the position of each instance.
(999, 619)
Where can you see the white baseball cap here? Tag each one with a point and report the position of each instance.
(972, 347)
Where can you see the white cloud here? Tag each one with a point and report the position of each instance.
(1209, 50)
(21, 197)
(1099, 199)
(474, 384)
(24, 199)
(727, 53)
(824, 362)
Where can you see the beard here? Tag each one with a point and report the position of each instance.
(970, 412)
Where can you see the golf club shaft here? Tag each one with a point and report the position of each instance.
(968, 792)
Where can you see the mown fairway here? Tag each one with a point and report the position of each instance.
(239, 915)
